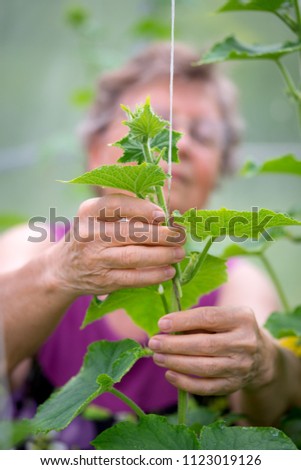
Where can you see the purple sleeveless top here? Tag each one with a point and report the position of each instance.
(61, 357)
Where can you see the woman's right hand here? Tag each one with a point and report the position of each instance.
(115, 242)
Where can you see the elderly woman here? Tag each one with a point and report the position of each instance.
(223, 349)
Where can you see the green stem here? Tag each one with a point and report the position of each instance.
(276, 282)
(201, 259)
(298, 17)
(293, 26)
(288, 79)
(162, 203)
(140, 413)
(296, 94)
(182, 395)
(163, 298)
(182, 406)
(176, 284)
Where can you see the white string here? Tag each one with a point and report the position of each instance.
(172, 53)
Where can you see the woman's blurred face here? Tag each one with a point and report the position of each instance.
(197, 115)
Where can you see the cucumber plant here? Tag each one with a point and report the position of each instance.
(107, 362)
(199, 273)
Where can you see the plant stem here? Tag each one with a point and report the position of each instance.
(163, 298)
(139, 412)
(162, 203)
(176, 284)
(296, 94)
(276, 282)
(298, 32)
(288, 79)
(293, 26)
(298, 17)
(201, 259)
(182, 406)
(182, 395)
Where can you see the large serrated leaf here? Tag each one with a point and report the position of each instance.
(105, 364)
(288, 164)
(232, 49)
(144, 305)
(239, 224)
(137, 179)
(256, 5)
(281, 325)
(151, 433)
(217, 436)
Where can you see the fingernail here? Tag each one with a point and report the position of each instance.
(165, 324)
(154, 344)
(170, 272)
(159, 358)
(158, 216)
(179, 253)
(170, 376)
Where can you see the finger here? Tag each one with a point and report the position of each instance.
(122, 278)
(214, 319)
(141, 256)
(138, 233)
(191, 345)
(199, 366)
(116, 206)
(200, 386)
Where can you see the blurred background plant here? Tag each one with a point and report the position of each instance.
(51, 56)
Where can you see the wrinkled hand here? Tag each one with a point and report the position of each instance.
(220, 350)
(115, 242)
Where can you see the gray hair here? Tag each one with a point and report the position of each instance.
(152, 63)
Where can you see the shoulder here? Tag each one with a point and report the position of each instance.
(17, 247)
(248, 285)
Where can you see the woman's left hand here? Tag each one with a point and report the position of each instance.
(219, 350)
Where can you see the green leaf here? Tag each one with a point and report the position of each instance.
(219, 437)
(151, 433)
(260, 5)
(254, 248)
(281, 325)
(161, 141)
(151, 27)
(77, 16)
(136, 179)
(133, 151)
(212, 275)
(105, 364)
(145, 124)
(232, 49)
(8, 220)
(13, 433)
(285, 164)
(82, 97)
(144, 305)
(239, 224)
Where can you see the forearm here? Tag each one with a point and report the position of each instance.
(32, 304)
(265, 404)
